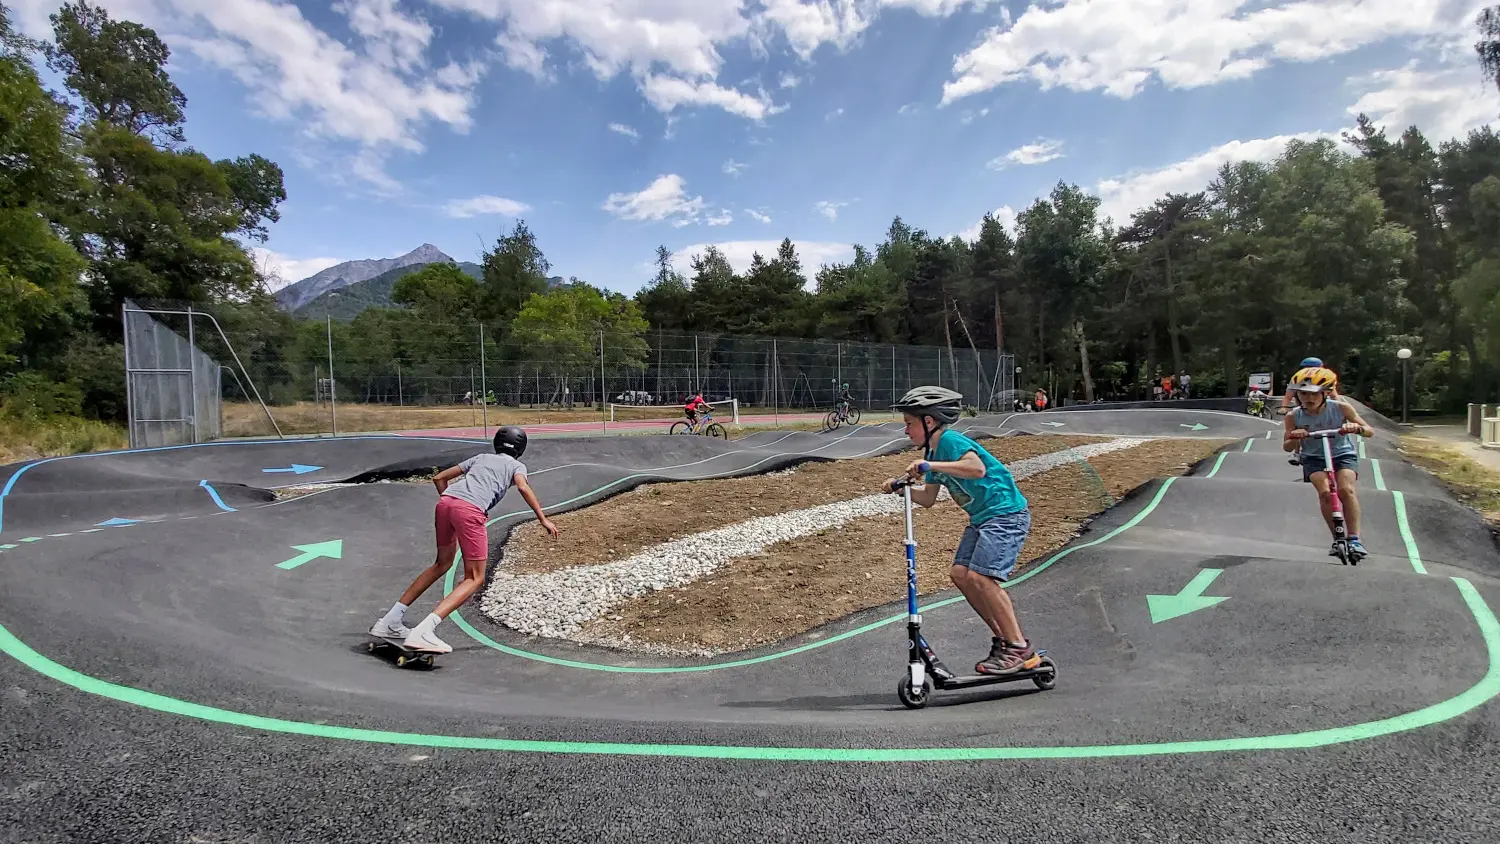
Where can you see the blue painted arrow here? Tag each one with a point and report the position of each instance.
(295, 467)
(116, 521)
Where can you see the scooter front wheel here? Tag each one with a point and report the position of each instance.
(914, 698)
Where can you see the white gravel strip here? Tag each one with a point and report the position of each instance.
(558, 603)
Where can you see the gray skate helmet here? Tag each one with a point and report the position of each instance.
(940, 403)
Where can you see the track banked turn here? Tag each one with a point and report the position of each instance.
(191, 614)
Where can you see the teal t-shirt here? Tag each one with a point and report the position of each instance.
(995, 494)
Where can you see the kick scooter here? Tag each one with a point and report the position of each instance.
(924, 670)
(1341, 548)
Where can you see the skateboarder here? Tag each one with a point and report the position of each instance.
(466, 494)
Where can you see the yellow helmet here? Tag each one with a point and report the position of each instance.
(1314, 379)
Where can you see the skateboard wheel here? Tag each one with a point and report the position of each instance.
(401, 661)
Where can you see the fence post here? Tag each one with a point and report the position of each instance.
(333, 385)
(484, 403)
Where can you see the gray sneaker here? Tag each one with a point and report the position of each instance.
(390, 630)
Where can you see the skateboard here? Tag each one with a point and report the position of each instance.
(406, 656)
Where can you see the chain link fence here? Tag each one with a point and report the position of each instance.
(320, 376)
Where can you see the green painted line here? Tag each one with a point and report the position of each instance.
(1361, 447)
(1406, 536)
(1481, 692)
(1217, 464)
(332, 548)
(1269, 433)
(1190, 599)
(6, 547)
(1379, 478)
(473, 633)
(31, 539)
(1248, 443)
(58, 535)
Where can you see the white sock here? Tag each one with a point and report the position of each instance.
(429, 624)
(395, 613)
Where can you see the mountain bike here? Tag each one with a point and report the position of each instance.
(841, 413)
(706, 426)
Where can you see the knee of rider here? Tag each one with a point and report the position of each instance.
(959, 575)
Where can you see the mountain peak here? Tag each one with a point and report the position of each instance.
(294, 296)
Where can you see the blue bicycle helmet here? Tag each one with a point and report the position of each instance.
(1306, 362)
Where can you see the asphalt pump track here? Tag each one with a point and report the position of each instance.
(186, 662)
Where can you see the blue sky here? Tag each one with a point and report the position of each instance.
(612, 126)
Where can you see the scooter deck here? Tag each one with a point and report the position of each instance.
(1046, 669)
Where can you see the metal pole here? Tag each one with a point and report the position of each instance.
(697, 379)
(129, 387)
(333, 402)
(775, 384)
(192, 375)
(484, 412)
(603, 392)
(1404, 379)
(400, 400)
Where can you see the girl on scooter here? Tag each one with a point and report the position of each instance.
(1318, 411)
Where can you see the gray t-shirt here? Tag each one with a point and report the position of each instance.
(485, 479)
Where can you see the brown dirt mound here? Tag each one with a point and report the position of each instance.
(654, 513)
(801, 584)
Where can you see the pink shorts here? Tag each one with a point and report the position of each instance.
(458, 519)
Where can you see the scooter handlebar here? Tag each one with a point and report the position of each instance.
(1323, 435)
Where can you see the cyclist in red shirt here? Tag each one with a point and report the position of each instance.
(692, 406)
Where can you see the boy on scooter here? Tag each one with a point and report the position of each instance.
(1317, 410)
(999, 518)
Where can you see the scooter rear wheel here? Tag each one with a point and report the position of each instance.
(914, 699)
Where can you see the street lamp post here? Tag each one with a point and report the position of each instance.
(1405, 356)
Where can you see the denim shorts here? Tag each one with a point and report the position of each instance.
(993, 547)
(1313, 463)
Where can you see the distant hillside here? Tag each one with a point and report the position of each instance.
(345, 303)
(294, 296)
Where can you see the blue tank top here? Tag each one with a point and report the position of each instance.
(1331, 416)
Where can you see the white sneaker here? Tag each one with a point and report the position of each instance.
(426, 640)
(390, 629)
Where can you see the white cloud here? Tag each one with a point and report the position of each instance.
(1005, 214)
(809, 24)
(1118, 45)
(722, 217)
(297, 72)
(624, 130)
(375, 93)
(392, 39)
(1120, 197)
(1443, 101)
(838, 112)
(739, 254)
(281, 270)
(758, 216)
(829, 209)
(733, 168)
(665, 198)
(789, 80)
(667, 93)
(907, 109)
(1028, 154)
(477, 205)
(969, 116)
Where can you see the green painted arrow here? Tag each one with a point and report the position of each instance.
(332, 548)
(1196, 426)
(1190, 599)
(1053, 424)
